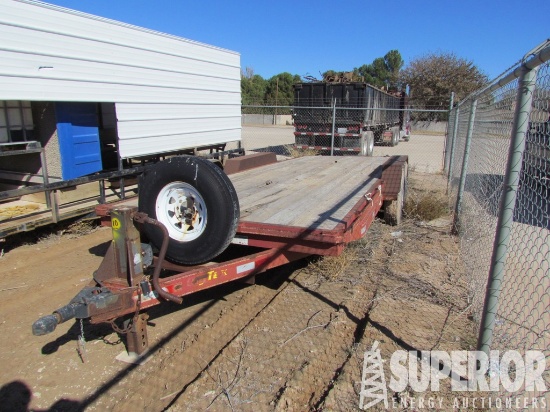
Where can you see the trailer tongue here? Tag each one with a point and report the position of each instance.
(288, 210)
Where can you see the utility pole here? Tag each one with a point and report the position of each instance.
(276, 100)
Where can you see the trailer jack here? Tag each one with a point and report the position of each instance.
(120, 285)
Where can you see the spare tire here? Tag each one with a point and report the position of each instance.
(196, 202)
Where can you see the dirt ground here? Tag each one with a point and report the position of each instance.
(294, 341)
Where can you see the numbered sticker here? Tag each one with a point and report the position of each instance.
(115, 223)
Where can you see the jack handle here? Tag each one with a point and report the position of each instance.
(141, 217)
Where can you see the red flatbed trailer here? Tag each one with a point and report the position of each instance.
(289, 210)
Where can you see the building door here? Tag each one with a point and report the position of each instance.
(78, 134)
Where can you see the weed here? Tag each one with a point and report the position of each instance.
(331, 267)
(293, 152)
(425, 205)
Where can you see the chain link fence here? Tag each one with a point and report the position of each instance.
(497, 159)
(494, 149)
(275, 129)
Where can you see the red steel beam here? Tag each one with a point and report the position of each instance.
(199, 278)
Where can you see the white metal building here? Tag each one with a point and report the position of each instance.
(97, 86)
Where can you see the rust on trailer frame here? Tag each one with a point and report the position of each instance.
(293, 243)
(242, 163)
(120, 286)
(194, 279)
(315, 241)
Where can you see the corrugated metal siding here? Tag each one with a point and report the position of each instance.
(170, 91)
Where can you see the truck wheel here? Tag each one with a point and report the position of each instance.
(393, 209)
(196, 202)
(367, 143)
(394, 139)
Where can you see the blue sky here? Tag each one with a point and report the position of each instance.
(311, 37)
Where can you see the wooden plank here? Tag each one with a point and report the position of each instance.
(314, 192)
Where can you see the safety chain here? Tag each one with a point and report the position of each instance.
(127, 329)
(81, 343)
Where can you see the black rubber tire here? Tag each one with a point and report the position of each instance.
(367, 143)
(394, 139)
(220, 200)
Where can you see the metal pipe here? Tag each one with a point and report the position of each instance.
(448, 136)
(121, 181)
(8, 126)
(524, 101)
(333, 126)
(453, 147)
(68, 183)
(143, 218)
(45, 177)
(102, 199)
(464, 171)
(22, 115)
(541, 54)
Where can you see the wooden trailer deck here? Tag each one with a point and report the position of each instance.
(290, 209)
(314, 192)
(312, 204)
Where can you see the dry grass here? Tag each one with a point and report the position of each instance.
(294, 152)
(426, 199)
(82, 227)
(331, 267)
(426, 206)
(415, 287)
(71, 230)
(51, 234)
(427, 132)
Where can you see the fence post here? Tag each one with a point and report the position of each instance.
(452, 151)
(463, 172)
(333, 126)
(524, 100)
(448, 137)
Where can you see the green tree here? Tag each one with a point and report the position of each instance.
(394, 63)
(434, 76)
(253, 87)
(279, 91)
(383, 71)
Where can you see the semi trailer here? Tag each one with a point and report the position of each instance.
(347, 116)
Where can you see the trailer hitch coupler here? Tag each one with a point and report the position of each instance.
(47, 324)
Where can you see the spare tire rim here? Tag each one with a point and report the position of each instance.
(181, 208)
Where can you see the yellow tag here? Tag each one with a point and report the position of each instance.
(115, 223)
